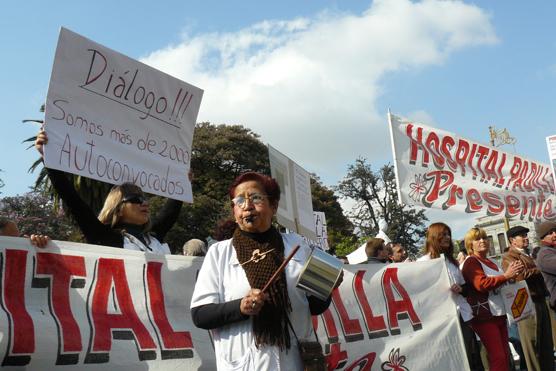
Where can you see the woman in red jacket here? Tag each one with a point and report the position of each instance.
(485, 278)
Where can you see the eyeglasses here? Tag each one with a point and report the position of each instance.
(134, 199)
(255, 199)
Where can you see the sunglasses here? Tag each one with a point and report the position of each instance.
(134, 199)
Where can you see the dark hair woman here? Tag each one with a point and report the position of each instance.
(124, 220)
(251, 329)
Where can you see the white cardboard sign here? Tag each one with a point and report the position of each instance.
(114, 119)
(551, 143)
(295, 210)
(320, 229)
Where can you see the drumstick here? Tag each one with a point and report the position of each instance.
(280, 269)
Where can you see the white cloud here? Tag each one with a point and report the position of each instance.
(309, 85)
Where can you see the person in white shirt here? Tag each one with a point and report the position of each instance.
(439, 241)
(251, 329)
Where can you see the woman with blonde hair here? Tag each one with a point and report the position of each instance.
(124, 220)
(484, 277)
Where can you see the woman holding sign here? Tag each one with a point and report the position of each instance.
(438, 242)
(124, 220)
(252, 329)
(485, 278)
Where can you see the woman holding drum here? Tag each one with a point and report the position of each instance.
(252, 329)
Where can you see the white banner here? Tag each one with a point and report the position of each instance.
(114, 119)
(101, 308)
(437, 169)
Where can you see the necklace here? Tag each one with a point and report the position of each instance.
(257, 256)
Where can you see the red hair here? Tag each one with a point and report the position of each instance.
(434, 235)
(270, 185)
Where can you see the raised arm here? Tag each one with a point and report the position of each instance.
(94, 231)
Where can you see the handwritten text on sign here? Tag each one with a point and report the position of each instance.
(80, 305)
(436, 169)
(111, 118)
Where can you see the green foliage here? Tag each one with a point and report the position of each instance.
(34, 213)
(348, 244)
(338, 225)
(375, 196)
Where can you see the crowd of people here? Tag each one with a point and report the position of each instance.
(255, 325)
(476, 282)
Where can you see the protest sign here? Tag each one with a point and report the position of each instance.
(114, 119)
(320, 230)
(551, 143)
(437, 169)
(295, 210)
(85, 306)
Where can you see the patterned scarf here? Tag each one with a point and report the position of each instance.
(270, 326)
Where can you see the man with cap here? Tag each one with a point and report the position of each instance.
(534, 332)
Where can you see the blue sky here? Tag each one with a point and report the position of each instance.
(314, 78)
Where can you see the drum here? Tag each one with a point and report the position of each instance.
(320, 274)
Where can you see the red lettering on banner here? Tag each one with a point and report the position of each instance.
(364, 363)
(482, 152)
(441, 180)
(454, 194)
(474, 201)
(514, 172)
(528, 201)
(447, 144)
(549, 210)
(432, 143)
(351, 327)
(174, 344)
(529, 178)
(416, 145)
(336, 358)
(461, 154)
(501, 180)
(470, 159)
(495, 205)
(330, 326)
(550, 181)
(398, 309)
(512, 206)
(376, 327)
(21, 335)
(490, 167)
(105, 326)
(60, 270)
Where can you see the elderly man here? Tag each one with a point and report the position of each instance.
(194, 247)
(534, 332)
